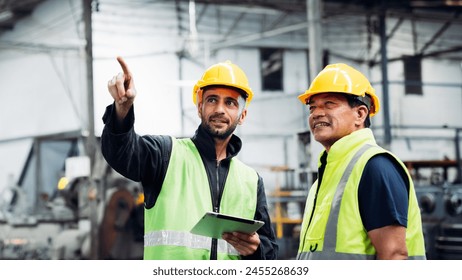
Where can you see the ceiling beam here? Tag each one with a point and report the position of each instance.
(439, 32)
(257, 36)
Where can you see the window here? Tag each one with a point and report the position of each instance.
(413, 74)
(271, 69)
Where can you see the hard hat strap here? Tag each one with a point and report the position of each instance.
(364, 99)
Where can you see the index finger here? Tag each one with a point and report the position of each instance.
(124, 66)
(127, 73)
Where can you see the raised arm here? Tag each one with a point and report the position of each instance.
(122, 89)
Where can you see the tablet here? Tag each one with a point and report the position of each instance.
(214, 224)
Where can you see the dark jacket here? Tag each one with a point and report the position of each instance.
(145, 159)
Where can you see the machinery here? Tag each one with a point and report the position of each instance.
(440, 200)
(438, 185)
(59, 209)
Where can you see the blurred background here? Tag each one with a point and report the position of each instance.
(60, 200)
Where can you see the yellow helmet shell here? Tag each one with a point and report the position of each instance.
(225, 74)
(342, 78)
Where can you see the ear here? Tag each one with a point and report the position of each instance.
(242, 116)
(199, 94)
(199, 109)
(362, 113)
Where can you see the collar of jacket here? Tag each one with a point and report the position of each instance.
(349, 142)
(206, 145)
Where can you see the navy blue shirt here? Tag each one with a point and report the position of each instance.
(383, 193)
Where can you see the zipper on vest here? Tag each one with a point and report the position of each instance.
(311, 216)
(320, 174)
(214, 248)
(216, 208)
(216, 199)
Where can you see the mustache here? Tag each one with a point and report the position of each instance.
(219, 117)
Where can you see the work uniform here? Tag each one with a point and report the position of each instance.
(332, 226)
(152, 161)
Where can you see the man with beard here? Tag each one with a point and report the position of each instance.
(184, 178)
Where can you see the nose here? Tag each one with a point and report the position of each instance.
(316, 113)
(220, 107)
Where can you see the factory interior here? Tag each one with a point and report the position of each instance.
(59, 198)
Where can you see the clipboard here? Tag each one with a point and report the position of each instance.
(214, 224)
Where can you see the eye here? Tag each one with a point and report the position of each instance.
(329, 104)
(231, 102)
(211, 99)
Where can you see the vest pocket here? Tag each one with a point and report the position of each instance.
(318, 223)
(313, 247)
(314, 237)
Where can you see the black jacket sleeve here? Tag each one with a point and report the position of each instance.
(268, 249)
(140, 158)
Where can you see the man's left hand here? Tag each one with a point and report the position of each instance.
(245, 244)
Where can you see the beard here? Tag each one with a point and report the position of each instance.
(217, 133)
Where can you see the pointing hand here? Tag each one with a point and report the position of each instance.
(122, 89)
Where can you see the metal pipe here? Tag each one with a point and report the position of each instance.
(384, 66)
(314, 12)
(38, 175)
(180, 77)
(91, 139)
(458, 159)
(90, 126)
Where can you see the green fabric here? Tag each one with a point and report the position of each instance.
(351, 238)
(183, 200)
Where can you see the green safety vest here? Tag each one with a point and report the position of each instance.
(336, 230)
(185, 197)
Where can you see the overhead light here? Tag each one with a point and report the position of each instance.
(5, 15)
(435, 3)
(193, 37)
(453, 2)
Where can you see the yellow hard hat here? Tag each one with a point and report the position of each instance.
(224, 74)
(342, 78)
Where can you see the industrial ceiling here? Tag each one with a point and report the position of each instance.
(350, 29)
(13, 10)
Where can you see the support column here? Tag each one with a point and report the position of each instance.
(384, 65)
(314, 13)
(91, 146)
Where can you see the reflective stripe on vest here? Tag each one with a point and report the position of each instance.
(185, 197)
(186, 239)
(330, 240)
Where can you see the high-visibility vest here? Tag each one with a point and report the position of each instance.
(185, 197)
(336, 230)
